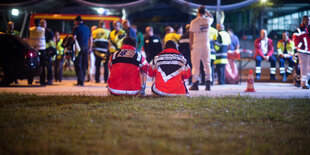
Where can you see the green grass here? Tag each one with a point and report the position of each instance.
(32, 124)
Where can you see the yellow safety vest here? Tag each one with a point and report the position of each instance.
(172, 36)
(60, 49)
(103, 34)
(213, 37)
(290, 46)
(116, 39)
(221, 52)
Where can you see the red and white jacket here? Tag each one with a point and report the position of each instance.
(169, 68)
(301, 39)
(125, 66)
(258, 50)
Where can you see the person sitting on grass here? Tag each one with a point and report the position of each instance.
(170, 69)
(127, 67)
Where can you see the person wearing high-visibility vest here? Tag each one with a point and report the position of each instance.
(221, 47)
(49, 53)
(286, 48)
(213, 36)
(100, 47)
(171, 35)
(116, 37)
(264, 51)
(59, 58)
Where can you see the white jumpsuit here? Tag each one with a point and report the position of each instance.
(201, 47)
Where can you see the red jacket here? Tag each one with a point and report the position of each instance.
(125, 66)
(258, 50)
(169, 68)
(302, 40)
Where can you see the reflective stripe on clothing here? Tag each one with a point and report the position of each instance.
(258, 70)
(158, 92)
(273, 70)
(123, 92)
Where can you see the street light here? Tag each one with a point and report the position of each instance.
(100, 11)
(15, 12)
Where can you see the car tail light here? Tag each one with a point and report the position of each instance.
(31, 54)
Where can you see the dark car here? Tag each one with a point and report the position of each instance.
(17, 60)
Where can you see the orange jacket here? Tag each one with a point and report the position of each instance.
(169, 68)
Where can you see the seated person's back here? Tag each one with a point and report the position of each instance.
(125, 68)
(170, 69)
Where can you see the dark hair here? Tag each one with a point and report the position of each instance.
(129, 41)
(37, 22)
(78, 18)
(101, 23)
(171, 44)
(202, 9)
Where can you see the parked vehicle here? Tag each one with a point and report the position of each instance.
(17, 60)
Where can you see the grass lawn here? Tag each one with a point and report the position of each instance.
(32, 124)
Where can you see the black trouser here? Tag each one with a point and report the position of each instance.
(45, 61)
(106, 69)
(202, 73)
(80, 66)
(58, 68)
(212, 70)
(220, 69)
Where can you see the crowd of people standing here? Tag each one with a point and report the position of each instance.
(195, 54)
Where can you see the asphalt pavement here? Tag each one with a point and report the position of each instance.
(66, 87)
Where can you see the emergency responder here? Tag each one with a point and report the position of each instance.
(100, 47)
(264, 51)
(286, 48)
(140, 38)
(128, 29)
(152, 45)
(213, 36)
(221, 47)
(59, 59)
(50, 52)
(116, 37)
(83, 36)
(301, 39)
(37, 41)
(11, 30)
(200, 46)
(171, 35)
(184, 48)
(126, 66)
(170, 69)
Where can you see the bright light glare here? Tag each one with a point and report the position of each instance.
(264, 1)
(100, 11)
(15, 12)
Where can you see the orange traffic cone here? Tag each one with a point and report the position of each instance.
(250, 82)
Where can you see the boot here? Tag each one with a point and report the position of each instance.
(194, 86)
(284, 79)
(273, 77)
(305, 87)
(208, 85)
